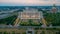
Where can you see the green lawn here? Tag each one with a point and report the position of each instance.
(30, 23)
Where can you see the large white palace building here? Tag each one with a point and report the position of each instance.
(30, 14)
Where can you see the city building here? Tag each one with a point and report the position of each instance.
(54, 9)
(30, 14)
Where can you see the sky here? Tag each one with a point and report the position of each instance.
(29, 2)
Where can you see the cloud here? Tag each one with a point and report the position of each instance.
(30, 2)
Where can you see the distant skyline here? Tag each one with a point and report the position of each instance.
(29, 2)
